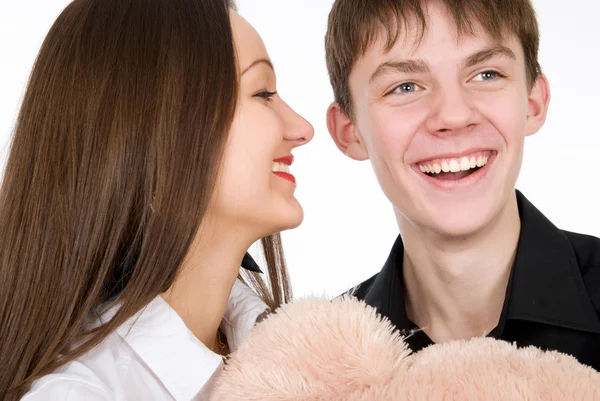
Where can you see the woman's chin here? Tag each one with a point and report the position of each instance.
(287, 219)
(292, 219)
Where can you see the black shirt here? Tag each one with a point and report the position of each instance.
(552, 300)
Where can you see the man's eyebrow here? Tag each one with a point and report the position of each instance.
(419, 66)
(256, 62)
(489, 53)
(404, 66)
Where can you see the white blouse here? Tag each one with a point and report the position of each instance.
(154, 356)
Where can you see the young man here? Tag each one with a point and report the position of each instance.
(439, 96)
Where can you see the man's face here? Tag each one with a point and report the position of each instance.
(443, 124)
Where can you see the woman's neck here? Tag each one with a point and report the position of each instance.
(201, 291)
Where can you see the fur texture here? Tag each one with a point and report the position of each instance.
(342, 350)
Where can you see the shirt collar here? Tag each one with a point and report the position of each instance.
(546, 285)
(386, 293)
(162, 340)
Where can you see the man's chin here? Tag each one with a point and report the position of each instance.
(461, 223)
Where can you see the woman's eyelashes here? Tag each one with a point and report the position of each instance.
(266, 95)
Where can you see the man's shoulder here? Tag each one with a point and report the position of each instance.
(360, 291)
(587, 251)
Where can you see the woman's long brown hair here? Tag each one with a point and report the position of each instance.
(113, 161)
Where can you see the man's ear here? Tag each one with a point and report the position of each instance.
(343, 133)
(537, 105)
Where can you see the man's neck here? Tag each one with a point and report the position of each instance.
(455, 287)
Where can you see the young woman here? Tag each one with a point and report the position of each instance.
(151, 150)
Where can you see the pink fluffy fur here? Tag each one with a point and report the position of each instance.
(341, 350)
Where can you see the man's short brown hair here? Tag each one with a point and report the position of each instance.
(354, 25)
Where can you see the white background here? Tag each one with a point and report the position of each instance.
(349, 225)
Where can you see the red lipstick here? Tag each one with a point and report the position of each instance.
(287, 160)
(286, 176)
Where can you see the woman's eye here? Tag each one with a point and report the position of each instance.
(407, 87)
(266, 95)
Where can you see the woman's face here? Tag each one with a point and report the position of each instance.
(255, 192)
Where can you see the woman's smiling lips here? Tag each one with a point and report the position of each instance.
(281, 168)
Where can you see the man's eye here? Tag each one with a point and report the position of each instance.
(488, 76)
(407, 87)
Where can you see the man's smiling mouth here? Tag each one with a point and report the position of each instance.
(455, 168)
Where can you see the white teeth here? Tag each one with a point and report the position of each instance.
(284, 168)
(454, 166)
(465, 164)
